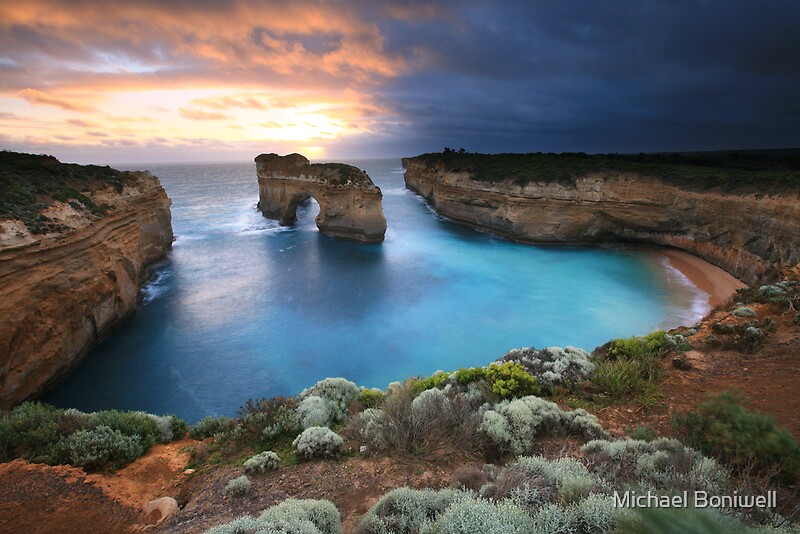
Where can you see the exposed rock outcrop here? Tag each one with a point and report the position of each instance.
(349, 203)
(749, 235)
(60, 292)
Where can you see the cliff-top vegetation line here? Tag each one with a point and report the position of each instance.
(760, 170)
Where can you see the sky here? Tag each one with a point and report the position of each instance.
(204, 80)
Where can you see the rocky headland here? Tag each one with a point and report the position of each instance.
(349, 203)
(727, 213)
(75, 245)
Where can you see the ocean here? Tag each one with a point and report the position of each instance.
(244, 308)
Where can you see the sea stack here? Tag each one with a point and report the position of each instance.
(349, 203)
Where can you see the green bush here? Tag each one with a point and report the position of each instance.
(138, 424)
(631, 366)
(471, 515)
(724, 428)
(371, 398)
(511, 380)
(208, 426)
(466, 376)
(433, 381)
(406, 510)
(35, 431)
(103, 448)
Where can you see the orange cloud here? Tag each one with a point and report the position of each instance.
(197, 115)
(36, 97)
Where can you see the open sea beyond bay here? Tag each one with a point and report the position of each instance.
(245, 308)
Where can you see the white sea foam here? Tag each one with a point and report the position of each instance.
(156, 286)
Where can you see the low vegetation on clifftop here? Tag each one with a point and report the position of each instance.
(755, 171)
(30, 183)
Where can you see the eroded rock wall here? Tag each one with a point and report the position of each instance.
(60, 294)
(748, 235)
(350, 205)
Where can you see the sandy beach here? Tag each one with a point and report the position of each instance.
(719, 284)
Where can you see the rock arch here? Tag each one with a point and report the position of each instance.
(349, 203)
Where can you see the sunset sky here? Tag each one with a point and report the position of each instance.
(202, 80)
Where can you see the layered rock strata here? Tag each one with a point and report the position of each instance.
(749, 235)
(61, 292)
(349, 203)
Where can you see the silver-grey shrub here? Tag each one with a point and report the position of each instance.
(406, 511)
(514, 425)
(102, 448)
(664, 464)
(594, 514)
(554, 366)
(292, 516)
(471, 515)
(318, 442)
(262, 462)
(373, 428)
(316, 411)
(238, 486)
(573, 479)
(339, 392)
(428, 407)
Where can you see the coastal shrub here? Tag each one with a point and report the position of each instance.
(315, 411)
(295, 515)
(426, 409)
(466, 376)
(292, 516)
(511, 380)
(662, 464)
(596, 513)
(434, 419)
(35, 431)
(371, 428)
(571, 478)
(209, 425)
(339, 392)
(267, 419)
(138, 424)
(431, 382)
(514, 425)
(471, 515)
(103, 448)
(317, 442)
(371, 398)
(688, 521)
(407, 511)
(169, 427)
(238, 486)
(641, 433)
(724, 428)
(744, 311)
(632, 366)
(262, 462)
(554, 366)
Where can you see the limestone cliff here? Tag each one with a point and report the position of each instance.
(63, 288)
(749, 234)
(349, 203)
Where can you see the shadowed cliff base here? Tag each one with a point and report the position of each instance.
(736, 211)
(350, 204)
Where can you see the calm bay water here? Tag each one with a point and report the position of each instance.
(245, 308)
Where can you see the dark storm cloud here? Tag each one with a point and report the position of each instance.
(610, 76)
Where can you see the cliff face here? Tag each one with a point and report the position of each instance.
(349, 203)
(60, 292)
(748, 235)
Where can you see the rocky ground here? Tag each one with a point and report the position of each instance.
(38, 498)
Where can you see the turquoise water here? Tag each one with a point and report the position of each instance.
(245, 308)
